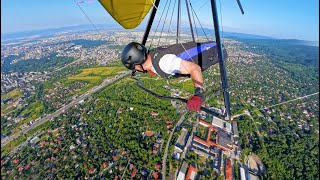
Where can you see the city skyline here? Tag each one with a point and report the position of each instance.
(292, 19)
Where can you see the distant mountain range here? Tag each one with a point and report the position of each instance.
(11, 37)
(231, 35)
(8, 37)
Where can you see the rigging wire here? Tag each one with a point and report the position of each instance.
(158, 22)
(199, 21)
(203, 5)
(302, 97)
(171, 19)
(179, 16)
(176, 38)
(164, 23)
(154, 4)
(87, 16)
(194, 22)
(278, 104)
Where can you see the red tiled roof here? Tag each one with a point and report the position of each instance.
(204, 123)
(149, 133)
(228, 170)
(201, 141)
(105, 164)
(208, 143)
(92, 170)
(158, 166)
(156, 175)
(191, 168)
(16, 161)
(27, 166)
(208, 125)
(134, 172)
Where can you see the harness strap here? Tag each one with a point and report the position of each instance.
(204, 55)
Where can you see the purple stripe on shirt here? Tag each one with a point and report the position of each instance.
(190, 53)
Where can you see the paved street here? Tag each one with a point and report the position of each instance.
(165, 155)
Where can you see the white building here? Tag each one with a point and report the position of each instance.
(228, 127)
(217, 122)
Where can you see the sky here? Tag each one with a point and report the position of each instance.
(285, 19)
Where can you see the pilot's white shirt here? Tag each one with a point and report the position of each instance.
(170, 64)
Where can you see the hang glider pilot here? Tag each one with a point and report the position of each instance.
(184, 59)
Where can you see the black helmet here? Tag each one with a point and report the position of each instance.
(134, 54)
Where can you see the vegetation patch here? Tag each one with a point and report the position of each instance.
(43, 126)
(202, 132)
(12, 94)
(7, 148)
(93, 76)
(34, 109)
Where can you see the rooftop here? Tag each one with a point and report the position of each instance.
(184, 167)
(228, 169)
(182, 138)
(217, 122)
(192, 172)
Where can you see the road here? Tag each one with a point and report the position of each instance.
(254, 124)
(40, 121)
(165, 155)
(194, 129)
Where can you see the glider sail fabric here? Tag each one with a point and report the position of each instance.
(128, 13)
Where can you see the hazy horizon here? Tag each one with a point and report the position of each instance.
(279, 19)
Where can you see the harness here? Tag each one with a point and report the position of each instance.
(204, 54)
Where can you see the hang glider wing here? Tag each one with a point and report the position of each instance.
(128, 13)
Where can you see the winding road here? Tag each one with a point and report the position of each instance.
(165, 155)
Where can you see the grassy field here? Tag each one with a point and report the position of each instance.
(93, 76)
(35, 109)
(5, 109)
(183, 84)
(12, 94)
(7, 148)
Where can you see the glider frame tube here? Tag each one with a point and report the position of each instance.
(223, 72)
(153, 13)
